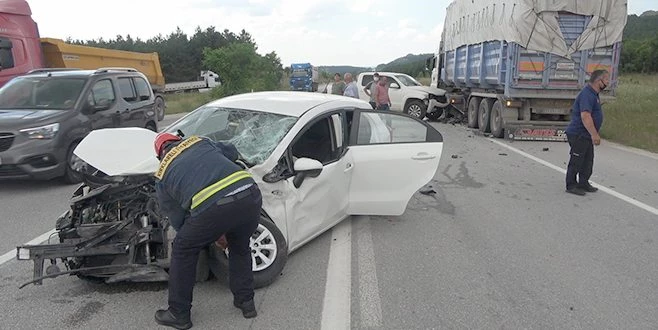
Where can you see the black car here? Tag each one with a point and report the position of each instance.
(45, 113)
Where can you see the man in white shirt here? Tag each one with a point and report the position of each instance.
(350, 90)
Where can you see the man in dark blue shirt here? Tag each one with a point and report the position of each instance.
(583, 133)
(205, 195)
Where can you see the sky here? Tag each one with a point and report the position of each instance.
(337, 32)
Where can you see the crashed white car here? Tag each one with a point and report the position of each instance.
(317, 159)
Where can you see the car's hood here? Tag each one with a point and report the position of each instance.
(429, 89)
(18, 117)
(119, 151)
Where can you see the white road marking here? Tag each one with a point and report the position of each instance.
(336, 308)
(12, 254)
(607, 190)
(369, 300)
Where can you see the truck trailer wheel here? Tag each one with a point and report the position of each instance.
(497, 119)
(483, 115)
(473, 106)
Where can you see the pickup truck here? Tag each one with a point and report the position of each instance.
(407, 94)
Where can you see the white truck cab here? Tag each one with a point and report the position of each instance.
(407, 94)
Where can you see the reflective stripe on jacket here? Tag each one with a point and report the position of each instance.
(194, 174)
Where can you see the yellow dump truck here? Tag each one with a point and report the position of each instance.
(59, 54)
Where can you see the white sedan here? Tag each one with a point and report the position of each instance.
(317, 159)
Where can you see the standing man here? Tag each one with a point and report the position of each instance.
(583, 133)
(382, 100)
(338, 87)
(205, 194)
(350, 90)
(370, 89)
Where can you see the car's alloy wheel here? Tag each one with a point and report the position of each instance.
(70, 175)
(269, 253)
(159, 108)
(416, 109)
(263, 248)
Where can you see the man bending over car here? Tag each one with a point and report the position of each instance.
(205, 194)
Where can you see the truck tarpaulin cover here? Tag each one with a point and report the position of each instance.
(533, 24)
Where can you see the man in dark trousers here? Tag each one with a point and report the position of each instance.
(205, 194)
(583, 133)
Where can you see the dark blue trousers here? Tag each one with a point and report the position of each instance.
(581, 160)
(238, 219)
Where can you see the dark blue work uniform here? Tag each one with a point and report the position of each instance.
(581, 159)
(206, 194)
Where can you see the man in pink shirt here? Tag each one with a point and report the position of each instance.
(382, 100)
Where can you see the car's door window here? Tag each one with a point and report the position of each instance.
(382, 127)
(322, 140)
(126, 89)
(102, 93)
(143, 89)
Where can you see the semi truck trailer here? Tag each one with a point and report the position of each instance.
(514, 68)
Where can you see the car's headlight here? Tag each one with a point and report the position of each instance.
(42, 132)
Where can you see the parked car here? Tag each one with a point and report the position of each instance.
(407, 94)
(317, 159)
(47, 112)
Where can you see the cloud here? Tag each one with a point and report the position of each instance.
(361, 33)
(361, 6)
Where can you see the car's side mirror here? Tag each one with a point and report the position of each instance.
(394, 85)
(306, 167)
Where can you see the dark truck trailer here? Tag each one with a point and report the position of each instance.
(514, 68)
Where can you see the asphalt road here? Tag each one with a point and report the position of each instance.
(499, 245)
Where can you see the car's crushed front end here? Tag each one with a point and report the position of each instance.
(113, 230)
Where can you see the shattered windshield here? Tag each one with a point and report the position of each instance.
(41, 93)
(255, 134)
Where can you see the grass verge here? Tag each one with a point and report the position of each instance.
(185, 102)
(632, 119)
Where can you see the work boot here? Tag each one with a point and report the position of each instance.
(166, 317)
(248, 308)
(588, 187)
(576, 191)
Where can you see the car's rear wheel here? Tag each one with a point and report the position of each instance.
(160, 108)
(269, 253)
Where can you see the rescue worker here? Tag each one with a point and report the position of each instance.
(205, 194)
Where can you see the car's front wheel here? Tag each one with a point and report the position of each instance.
(269, 253)
(416, 109)
(71, 176)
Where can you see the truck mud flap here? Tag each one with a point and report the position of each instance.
(536, 133)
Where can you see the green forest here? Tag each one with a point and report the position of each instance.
(235, 57)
